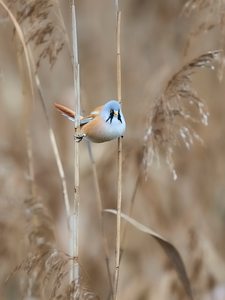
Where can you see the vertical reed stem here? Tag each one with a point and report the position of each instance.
(75, 273)
(119, 187)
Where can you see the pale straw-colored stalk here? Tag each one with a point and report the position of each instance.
(52, 140)
(119, 187)
(31, 70)
(74, 220)
(27, 95)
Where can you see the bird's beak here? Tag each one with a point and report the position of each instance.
(115, 113)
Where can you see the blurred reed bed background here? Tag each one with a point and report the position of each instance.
(158, 38)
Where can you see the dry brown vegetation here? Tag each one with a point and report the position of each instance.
(173, 98)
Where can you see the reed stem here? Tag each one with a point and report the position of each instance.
(119, 185)
(75, 272)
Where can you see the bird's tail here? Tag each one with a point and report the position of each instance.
(65, 111)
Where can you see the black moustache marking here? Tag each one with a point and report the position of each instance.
(111, 115)
(119, 117)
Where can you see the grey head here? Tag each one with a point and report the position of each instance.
(112, 113)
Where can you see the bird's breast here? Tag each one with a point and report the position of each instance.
(99, 131)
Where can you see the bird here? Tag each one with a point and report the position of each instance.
(103, 124)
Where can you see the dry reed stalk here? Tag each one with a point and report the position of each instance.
(61, 263)
(27, 120)
(52, 139)
(32, 286)
(31, 69)
(75, 272)
(119, 187)
(38, 35)
(42, 252)
(38, 235)
(27, 111)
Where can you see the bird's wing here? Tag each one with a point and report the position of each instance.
(70, 114)
(91, 116)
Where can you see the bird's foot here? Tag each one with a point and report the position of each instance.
(79, 137)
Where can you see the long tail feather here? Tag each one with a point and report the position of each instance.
(70, 114)
(67, 112)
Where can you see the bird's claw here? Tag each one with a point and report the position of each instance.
(79, 137)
